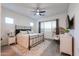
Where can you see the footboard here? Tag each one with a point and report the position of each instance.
(35, 40)
(29, 41)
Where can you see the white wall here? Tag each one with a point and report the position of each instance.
(74, 11)
(0, 20)
(62, 19)
(18, 20)
(0, 28)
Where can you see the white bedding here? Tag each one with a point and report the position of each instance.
(23, 38)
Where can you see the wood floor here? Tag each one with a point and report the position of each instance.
(41, 50)
(52, 50)
(7, 51)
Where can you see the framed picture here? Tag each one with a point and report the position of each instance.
(70, 22)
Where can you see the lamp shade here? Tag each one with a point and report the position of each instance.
(31, 24)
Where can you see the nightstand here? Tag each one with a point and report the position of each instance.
(11, 40)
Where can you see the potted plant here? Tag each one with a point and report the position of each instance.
(66, 31)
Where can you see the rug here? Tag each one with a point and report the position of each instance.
(35, 51)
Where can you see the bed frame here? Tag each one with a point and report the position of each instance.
(27, 28)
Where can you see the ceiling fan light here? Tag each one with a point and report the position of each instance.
(37, 13)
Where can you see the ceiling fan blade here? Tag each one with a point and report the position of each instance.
(42, 11)
(41, 14)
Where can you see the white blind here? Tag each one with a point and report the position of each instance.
(47, 28)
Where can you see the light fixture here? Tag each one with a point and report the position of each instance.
(37, 13)
(31, 24)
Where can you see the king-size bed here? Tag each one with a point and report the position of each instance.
(26, 38)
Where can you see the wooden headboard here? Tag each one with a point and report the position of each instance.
(19, 28)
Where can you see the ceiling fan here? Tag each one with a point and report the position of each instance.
(39, 11)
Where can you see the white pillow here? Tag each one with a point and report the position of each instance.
(30, 32)
(24, 32)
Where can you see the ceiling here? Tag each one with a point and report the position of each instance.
(27, 8)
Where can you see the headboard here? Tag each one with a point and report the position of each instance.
(19, 28)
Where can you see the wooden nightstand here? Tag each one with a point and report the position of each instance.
(11, 40)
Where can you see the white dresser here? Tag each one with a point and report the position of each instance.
(66, 44)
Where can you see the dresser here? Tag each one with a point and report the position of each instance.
(66, 44)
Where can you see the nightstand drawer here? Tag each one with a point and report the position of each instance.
(11, 40)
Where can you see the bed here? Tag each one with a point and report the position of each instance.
(26, 39)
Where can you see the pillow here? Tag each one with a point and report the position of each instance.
(30, 32)
(24, 32)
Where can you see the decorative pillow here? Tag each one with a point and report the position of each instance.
(30, 32)
(24, 32)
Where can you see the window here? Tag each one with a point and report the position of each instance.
(53, 24)
(48, 27)
(9, 20)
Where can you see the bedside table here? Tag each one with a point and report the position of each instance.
(11, 40)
